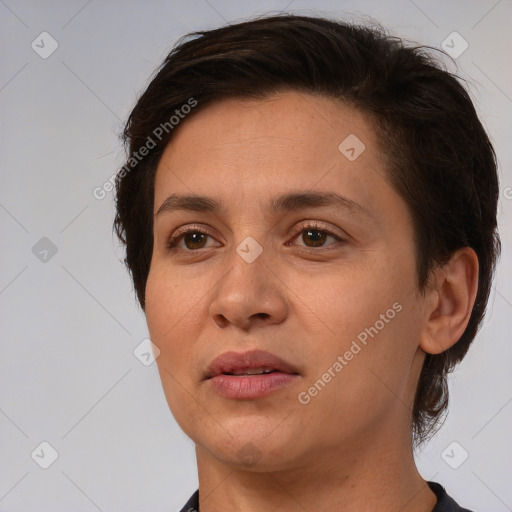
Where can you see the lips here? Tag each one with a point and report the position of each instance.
(249, 375)
(254, 362)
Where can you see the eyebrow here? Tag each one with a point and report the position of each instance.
(289, 202)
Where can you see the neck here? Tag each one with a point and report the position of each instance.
(376, 473)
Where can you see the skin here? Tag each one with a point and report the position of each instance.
(349, 448)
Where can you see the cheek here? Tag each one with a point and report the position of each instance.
(371, 315)
(170, 307)
(355, 300)
(160, 302)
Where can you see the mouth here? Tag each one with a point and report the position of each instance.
(249, 375)
(251, 371)
(253, 362)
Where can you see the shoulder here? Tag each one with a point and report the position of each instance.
(444, 502)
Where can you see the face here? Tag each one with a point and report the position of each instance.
(300, 263)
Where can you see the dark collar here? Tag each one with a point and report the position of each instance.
(444, 502)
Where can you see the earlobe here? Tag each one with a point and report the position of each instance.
(450, 299)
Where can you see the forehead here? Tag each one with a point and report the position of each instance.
(286, 119)
(250, 149)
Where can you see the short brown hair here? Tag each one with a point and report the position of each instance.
(439, 157)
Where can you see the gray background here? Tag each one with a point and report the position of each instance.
(69, 322)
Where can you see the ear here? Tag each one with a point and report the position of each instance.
(449, 301)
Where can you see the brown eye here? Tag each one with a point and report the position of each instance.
(316, 236)
(194, 240)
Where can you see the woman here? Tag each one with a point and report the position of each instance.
(309, 213)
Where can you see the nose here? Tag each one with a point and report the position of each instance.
(249, 295)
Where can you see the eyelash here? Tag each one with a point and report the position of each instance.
(306, 226)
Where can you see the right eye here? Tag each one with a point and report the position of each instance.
(193, 238)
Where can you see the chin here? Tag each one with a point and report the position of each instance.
(247, 455)
(251, 445)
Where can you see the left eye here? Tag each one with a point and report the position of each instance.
(316, 236)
